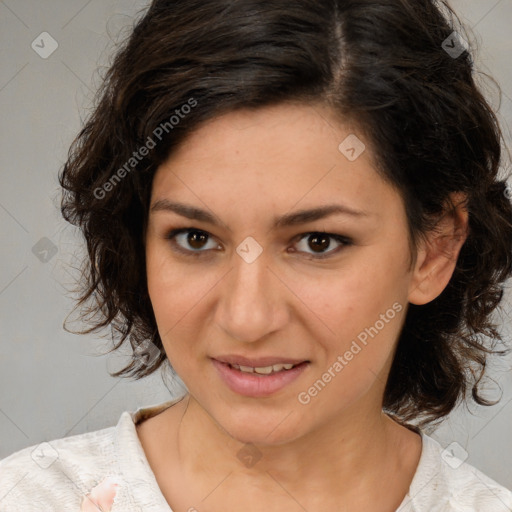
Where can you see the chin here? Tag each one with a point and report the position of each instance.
(259, 430)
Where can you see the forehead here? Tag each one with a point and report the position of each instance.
(281, 157)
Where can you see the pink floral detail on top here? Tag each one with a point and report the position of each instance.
(101, 498)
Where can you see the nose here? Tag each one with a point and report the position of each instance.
(252, 302)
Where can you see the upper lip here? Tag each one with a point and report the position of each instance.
(259, 362)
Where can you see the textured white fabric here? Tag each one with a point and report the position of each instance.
(56, 476)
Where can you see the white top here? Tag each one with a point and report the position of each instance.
(108, 468)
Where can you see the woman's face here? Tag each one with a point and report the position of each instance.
(249, 286)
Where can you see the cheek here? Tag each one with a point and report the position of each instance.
(358, 355)
(172, 287)
(177, 293)
(360, 315)
(169, 290)
(346, 300)
(170, 297)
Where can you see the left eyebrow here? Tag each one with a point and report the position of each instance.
(305, 216)
(289, 219)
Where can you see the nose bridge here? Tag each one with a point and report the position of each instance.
(247, 309)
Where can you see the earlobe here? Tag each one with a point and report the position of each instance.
(439, 251)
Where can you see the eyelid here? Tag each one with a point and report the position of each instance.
(344, 241)
(171, 236)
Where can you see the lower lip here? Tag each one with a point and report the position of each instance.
(249, 384)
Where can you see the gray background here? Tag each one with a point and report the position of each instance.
(53, 383)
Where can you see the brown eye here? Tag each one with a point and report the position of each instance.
(196, 239)
(192, 242)
(319, 242)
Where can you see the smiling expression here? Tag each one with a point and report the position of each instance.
(265, 241)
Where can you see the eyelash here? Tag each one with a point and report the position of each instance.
(195, 254)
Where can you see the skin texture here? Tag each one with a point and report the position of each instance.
(339, 451)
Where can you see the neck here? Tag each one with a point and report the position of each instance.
(348, 455)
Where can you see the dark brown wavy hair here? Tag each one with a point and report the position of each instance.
(388, 66)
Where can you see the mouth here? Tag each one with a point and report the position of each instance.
(258, 362)
(259, 381)
(265, 370)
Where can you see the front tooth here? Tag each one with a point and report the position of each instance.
(265, 370)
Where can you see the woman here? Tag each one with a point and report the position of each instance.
(297, 207)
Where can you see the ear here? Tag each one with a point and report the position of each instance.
(438, 252)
